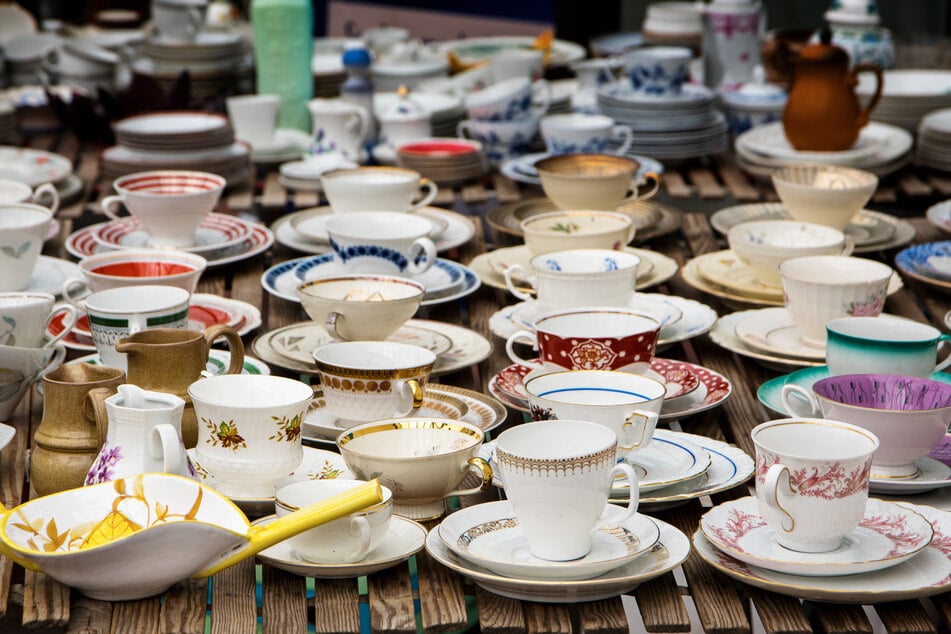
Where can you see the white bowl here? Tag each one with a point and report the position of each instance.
(765, 244)
(824, 194)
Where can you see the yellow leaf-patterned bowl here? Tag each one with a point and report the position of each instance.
(135, 537)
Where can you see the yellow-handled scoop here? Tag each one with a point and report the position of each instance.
(135, 537)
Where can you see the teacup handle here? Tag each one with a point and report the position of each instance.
(633, 497)
(330, 325)
(529, 338)
(626, 440)
(359, 527)
(849, 246)
(794, 408)
(422, 256)
(771, 494)
(72, 315)
(165, 445)
(69, 295)
(544, 88)
(464, 130)
(513, 289)
(361, 125)
(235, 345)
(943, 339)
(482, 469)
(626, 135)
(108, 203)
(195, 20)
(652, 178)
(412, 392)
(94, 407)
(431, 189)
(47, 190)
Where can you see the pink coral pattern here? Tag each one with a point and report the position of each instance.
(738, 525)
(829, 483)
(896, 530)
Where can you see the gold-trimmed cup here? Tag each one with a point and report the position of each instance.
(593, 181)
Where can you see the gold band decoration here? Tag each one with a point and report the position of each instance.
(557, 467)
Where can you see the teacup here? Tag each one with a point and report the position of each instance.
(361, 307)
(376, 189)
(344, 541)
(178, 20)
(170, 204)
(909, 415)
(502, 140)
(592, 181)
(589, 229)
(22, 231)
(511, 63)
(381, 242)
(812, 480)
(46, 195)
(134, 267)
(422, 460)
(765, 244)
(254, 117)
(25, 316)
(820, 288)
(119, 312)
(628, 404)
(339, 127)
(659, 71)
(249, 431)
(590, 339)
(581, 277)
(558, 476)
(370, 380)
(509, 99)
(881, 345)
(824, 194)
(584, 133)
(22, 367)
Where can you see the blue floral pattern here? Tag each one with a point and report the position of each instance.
(656, 81)
(373, 251)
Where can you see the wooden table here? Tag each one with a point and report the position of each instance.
(390, 601)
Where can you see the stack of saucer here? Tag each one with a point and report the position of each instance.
(35, 167)
(934, 140)
(447, 161)
(217, 62)
(176, 140)
(907, 95)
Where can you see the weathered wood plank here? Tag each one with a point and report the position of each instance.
(233, 604)
(442, 601)
(550, 618)
(779, 614)
(88, 616)
(284, 602)
(662, 608)
(337, 606)
(706, 183)
(45, 601)
(841, 619)
(141, 617)
(905, 617)
(391, 601)
(739, 186)
(602, 617)
(676, 186)
(499, 615)
(183, 607)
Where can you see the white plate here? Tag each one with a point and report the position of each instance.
(668, 460)
(50, 273)
(504, 258)
(887, 535)
(522, 168)
(726, 269)
(939, 215)
(724, 335)
(769, 141)
(404, 538)
(924, 575)
(489, 535)
(287, 142)
(670, 551)
(476, 49)
(33, 167)
(218, 362)
(773, 330)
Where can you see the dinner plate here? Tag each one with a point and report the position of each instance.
(927, 263)
(216, 232)
(472, 50)
(924, 575)
(489, 535)
(312, 224)
(887, 535)
(33, 167)
(769, 141)
(774, 330)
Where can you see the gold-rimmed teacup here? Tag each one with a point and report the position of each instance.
(593, 181)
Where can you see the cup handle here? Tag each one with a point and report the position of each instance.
(108, 203)
(412, 392)
(771, 492)
(431, 189)
(330, 325)
(72, 315)
(47, 190)
(652, 178)
(626, 135)
(165, 445)
(942, 340)
(463, 131)
(235, 345)
(849, 246)
(541, 86)
(359, 527)
(422, 256)
(513, 289)
(195, 19)
(482, 469)
(646, 435)
(510, 348)
(633, 497)
(793, 409)
(94, 407)
(68, 295)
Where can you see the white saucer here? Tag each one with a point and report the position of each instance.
(651, 304)
(312, 225)
(724, 335)
(50, 273)
(932, 474)
(887, 535)
(288, 145)
(404, 538)
(773, 330)
(669, 459)
(7, 432)
(489, 535)
(442, 277)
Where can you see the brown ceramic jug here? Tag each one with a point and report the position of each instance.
(823, 114)
(67, 440)
(171, 359)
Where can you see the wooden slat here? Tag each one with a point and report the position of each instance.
(546, 617)
(739, 186)
(274, 195)
(441, 599)
(88, 616)
(234, 610)
(305, 200)
(506, 190)
(499, 615)
(240, 200)
(444, 197)
(676, 186)
(780, 614)
(841, 619)
(183, 607)
(141, 617)
(602, 617)
(905, 617)
(12, 473)
(662, 608)
(914, 186)
(474, 193)
(391, 601)
(885, 195)
(337, 607)
(45, 601)
(942, 604)
(284, 602)
(706, 183)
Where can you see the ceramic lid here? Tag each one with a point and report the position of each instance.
(756, 94)
(404, 108)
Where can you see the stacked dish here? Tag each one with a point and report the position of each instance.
(35, 167)
(176, 140)
(929, 263)
(217, 62)
(907, 95)
(934, 140)
(448, 161)
(445, 111)
(8, 124)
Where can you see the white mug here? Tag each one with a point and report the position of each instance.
(179, 20)
(23, 228)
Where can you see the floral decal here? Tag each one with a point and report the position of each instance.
(591, 355)
(871, 307)
(327, 471)
(101, 470)
(542, 413)
(224, 434)
(828, 483)
(7, 337)
(16, 252)
(288, 428)
(738, 525)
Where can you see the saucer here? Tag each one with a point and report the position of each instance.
(667, 460)
(650, 304)
(522, 168)
(724, 335)
(443, 276)
(288, 144)
(218, 362)
(489, 535)
(216, 232)
(887, 535)
(312, 224)
(669, 552)
(726, 269)
(924, 575)
(404, 538)
(932, 474)
(773, 330)
(50, 273)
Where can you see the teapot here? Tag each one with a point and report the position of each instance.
(823, 113)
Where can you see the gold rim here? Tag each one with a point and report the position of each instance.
(442, 424)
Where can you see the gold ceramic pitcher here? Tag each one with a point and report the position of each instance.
(171, 359)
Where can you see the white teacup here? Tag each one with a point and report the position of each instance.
(178, 20)
(508, 100)
(820, 288)
(116, 313)
(344, 541)
(659, 71)
(46, 195)
(526, 63)
(369, 380)
(25, 316)
(558, 476)
(254, 117)
(377, 189)
(501, 140)
(249, 434)
(584, 133)
(381, 242)
(580, 229)
(22, 367)
(881, 345)
(22, 231)
(580, 277)
(628, 404)
(338, 127)
(812, 480)
(765, 244)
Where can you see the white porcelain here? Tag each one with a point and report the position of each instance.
(119, 312)
(818, 289)
(248, 431)
(592, 74)
(593, 181)
(381, 242)
(812, 480)
(13, 191)
(509, 99)
(731, 42)
(179, 20)
(765, 244)
(347, 540)
(502, 140)
(376, 189)
(657, 71)
(587, 133)
(254, 117)
(517, 63)
(25, 316)
(671, 459)
(653, 305)
(339, 127)
(773, 330)
(557, 476)
(824, 194)
(931, 474)
(134, 267)
(170, 204)
(867, 345)
(20, 368)
(628, 404)
(23, 228)
(370, 380)
(567, 230)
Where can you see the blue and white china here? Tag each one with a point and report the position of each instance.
(502, 140)
(585, 134)
(659, 71)
(509, 99)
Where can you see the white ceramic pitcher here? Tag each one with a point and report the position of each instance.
(339, 126)
(141, 433)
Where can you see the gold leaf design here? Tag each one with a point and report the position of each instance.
(111, 528)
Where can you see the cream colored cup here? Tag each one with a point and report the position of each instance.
(254, 117)
(377, 189)
(593, 181)
(22, 231)
(569, 230)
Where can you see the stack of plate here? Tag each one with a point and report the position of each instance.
(561, 92)
(907, 95)
(176, 140)
(445, 111)
(668, 127)
(217, 62)
(934, 140)
(881, 148)
(8, 124)
(35, 167)
(448, 161)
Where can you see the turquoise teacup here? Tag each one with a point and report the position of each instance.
(883, 345)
